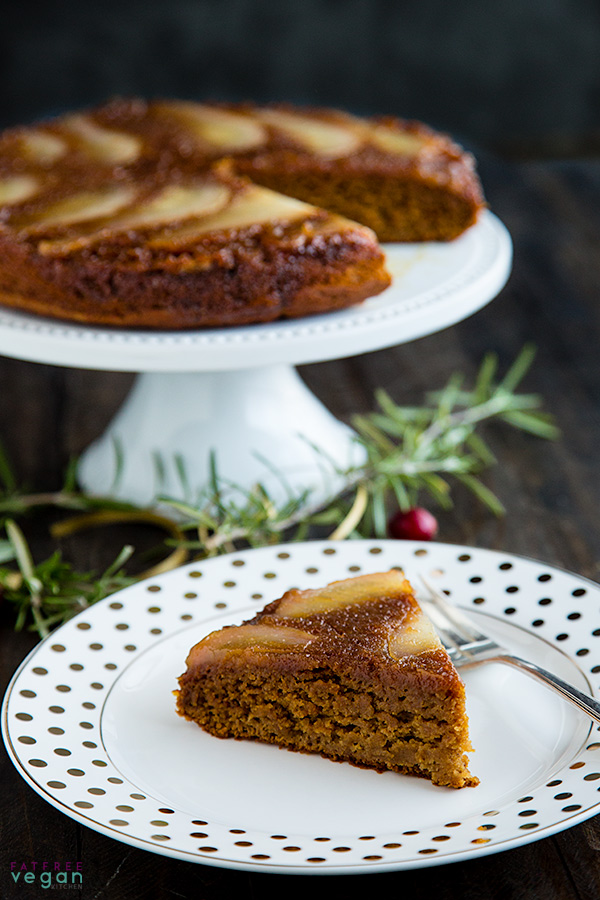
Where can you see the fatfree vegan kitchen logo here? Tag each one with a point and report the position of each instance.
(47, 874)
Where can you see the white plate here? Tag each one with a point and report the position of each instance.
(434, 286)
(89, 722)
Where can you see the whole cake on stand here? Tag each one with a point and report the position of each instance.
(261, 223)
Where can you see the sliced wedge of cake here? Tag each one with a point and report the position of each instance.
(354, 672)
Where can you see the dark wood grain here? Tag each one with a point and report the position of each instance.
(551, 493)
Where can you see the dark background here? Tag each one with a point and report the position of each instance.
(521, 77)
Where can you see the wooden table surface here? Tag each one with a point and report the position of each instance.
(551, 492)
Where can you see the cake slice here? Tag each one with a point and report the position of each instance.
(353, 671)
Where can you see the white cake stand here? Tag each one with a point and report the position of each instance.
(234, 391)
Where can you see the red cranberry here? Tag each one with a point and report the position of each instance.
(417, 524)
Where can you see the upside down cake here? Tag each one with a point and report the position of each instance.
(174, 214)
(353, 671)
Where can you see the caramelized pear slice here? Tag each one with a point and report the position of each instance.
(259, 638)
(323, 138)
(17, 189)
(401, 143)
(224, 130)
(80, 208)
(413, 637)
(102, 144)
(42, 147)
(298, 604)
(254, 206)
(173, 204)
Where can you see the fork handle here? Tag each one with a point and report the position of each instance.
(582, 701)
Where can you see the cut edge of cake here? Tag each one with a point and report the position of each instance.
(354, 672)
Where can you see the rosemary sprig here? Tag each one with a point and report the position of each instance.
(52, 591)
(413, 450)
(409, 451)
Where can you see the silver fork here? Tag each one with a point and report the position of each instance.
(468, 646)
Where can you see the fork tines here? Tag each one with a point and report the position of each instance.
(460, 636)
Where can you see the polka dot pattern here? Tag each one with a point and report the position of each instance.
(55, 710)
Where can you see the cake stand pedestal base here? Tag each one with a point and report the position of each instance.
(172, 422)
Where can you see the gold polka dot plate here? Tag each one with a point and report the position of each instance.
(89, 721)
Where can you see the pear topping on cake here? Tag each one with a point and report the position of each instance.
(323, 138)
(339, 594)
(42, 147)
(79, 208)
(17, 189)
(225, 131)
(266, 638)
(102, 144)
(178, 214)
(175, 203)
(254, 206)
(413, 637)
(391, 140)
